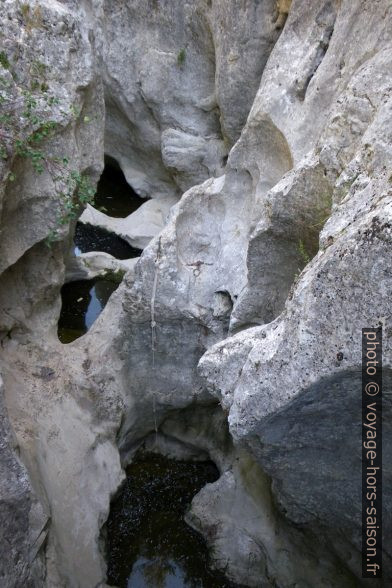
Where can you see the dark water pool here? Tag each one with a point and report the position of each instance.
(115, 196)
(149, 545)
(89, 238)
(82, 303)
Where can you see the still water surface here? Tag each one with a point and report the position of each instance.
(148, 542)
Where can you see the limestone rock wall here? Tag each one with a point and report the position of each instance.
(23, 520)
(51, 72)
(239, 300)
(59, 462)
(316, 145)
(180, 78)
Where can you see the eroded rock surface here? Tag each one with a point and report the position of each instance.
(22, 517)
(54, 505)
(140, 227)
(317, 141)
(180, 79)
(238, 277)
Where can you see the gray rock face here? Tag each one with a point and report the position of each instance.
(23, 522)
(288, 394)
(180, 78)
(238, 299)
(316, 142)
(328, 497)
(36, 42)
(243, 37)
(65, 453)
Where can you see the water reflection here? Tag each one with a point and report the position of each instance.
(82, 303)
(158, 573)
(149, 543)
(89, 238)
(115, 196)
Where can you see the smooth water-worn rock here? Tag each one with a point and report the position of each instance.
(140, 227)
(274, 118)
(316, 141)
(67, 455)
(90, 265)
(180, 78)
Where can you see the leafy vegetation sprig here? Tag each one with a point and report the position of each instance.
(26, 124)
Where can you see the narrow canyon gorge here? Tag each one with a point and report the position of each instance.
(195, 227)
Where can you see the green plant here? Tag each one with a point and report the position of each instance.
(26, 125)
(37, 69)
(311, 223)
(38, 76)
(4, 60)
(114, 276)
(305, 257)
(322, 211)
(181, 57)
(31, 18)
(25, 9)
(75, 191)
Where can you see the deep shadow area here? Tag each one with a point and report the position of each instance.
(82, 303)
(149, 544)
(115, 196)
(89, 238)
